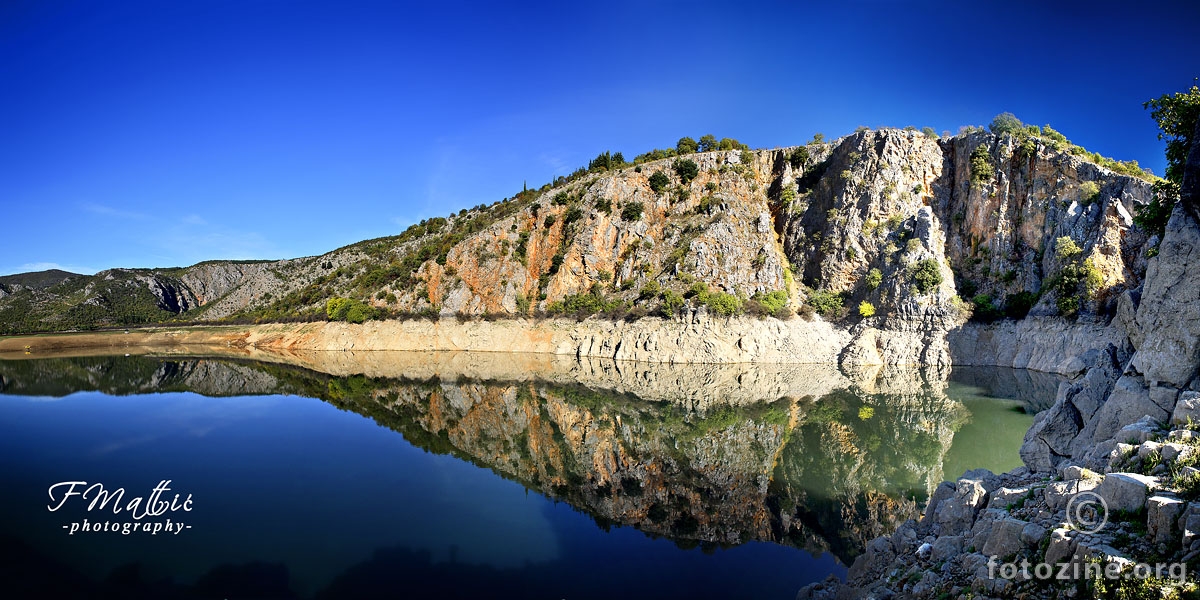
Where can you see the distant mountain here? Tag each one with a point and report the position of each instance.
(897, 223)
(36, 280)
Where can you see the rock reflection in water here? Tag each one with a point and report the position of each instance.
(704, 455)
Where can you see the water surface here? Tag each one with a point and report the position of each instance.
(585, 480)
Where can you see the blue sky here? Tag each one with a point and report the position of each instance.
(165, 133)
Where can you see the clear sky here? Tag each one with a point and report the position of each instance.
(165, 133)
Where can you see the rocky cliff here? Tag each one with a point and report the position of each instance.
(1122, 429)
(892, 236)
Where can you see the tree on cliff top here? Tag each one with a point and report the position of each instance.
(1176, 115)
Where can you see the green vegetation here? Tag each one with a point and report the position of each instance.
(828, 304)
(1089, 192)
(1018, 305)
(1077, 280)
(1028, 137)
(772, 303)
(659, 182)
(686, 169)
(582, 305)
(866, 309)
(632, 211)
(799, 157)
(1176, 115)
(723, 304)
(926, 275)
(686, 145)
(874, 278)
(1006, 122)
(671, 303)
(982, 170)
(347, 309)
(607, 162)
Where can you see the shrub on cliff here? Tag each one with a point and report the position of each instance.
(1006, 122)
(723, 304)
(686, 169)
(1176, 115)
(874, 278)
(828, 304)
(982, 170)
(659, 182)
(348, 309)
(866, 309)
(671, 303)
(926, 275)
(632, 211)
(686, 145)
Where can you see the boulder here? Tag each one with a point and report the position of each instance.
(1162, 518)
(1005, 539)
(947, 547)
(1190, 523)
(958, 512)
(1062, 546)
(1126, 491)
(1187, 409)
(1059, 493)
(1032, 535)
(1078, 472)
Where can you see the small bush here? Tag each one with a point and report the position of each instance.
(799, 157)
(1066, 249)
(874, 278)
(698, 289)
(650, 290)
(828, 304)
(348, 309)
(1089, 192)
(982, 170)
(659, 182)
(985, 310)
(926, 275)
(866, 309)
(671, 303)
(632, 211)
(775, 303)
(573, 214)
(687, 170)
(1006, 122)
(1017, 306)
(1067, 305)
(723, 304)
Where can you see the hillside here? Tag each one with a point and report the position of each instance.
(35, 280)
(911, 227)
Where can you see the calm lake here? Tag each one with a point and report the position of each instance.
(347, 476)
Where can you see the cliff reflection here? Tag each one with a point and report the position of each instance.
(702, 455)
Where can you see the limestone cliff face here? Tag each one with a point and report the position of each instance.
(903, 221)
(1148, 373)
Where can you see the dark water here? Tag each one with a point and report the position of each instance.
(309, 485)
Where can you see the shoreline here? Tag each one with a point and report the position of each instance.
(1044, 345)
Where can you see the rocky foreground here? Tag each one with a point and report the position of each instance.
(1121, 435)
